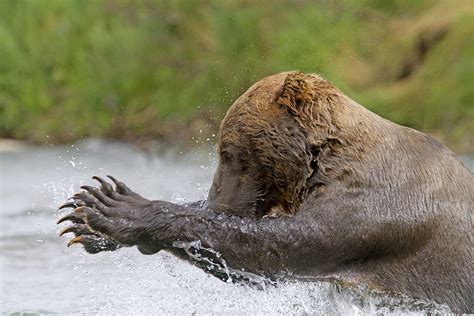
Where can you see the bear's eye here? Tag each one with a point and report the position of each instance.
(226, 156)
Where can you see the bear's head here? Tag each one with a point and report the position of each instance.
(268, 145)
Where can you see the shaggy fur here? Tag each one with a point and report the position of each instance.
(309, 185)
(293, 132)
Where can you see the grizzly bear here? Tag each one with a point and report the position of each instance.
(309, 185)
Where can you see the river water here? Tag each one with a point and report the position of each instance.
(40, 275)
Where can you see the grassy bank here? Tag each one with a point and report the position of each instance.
(127, 69)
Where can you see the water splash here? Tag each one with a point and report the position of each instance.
(40, 275)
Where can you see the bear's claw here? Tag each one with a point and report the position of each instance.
(122, 189)
(88, 199)
(120, 186)
(99, 215)
(78, 229)
(99, 194)
(106, 187)
(69, 205)
(73, 217)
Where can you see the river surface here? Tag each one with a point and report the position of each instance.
(40, 275)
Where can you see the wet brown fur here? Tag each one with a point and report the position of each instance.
(312, 148)
(293, 123)
(311, 185)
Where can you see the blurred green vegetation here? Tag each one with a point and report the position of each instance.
(122, 69)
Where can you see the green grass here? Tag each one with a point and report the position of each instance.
(72, 69)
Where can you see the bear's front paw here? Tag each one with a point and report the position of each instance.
(104, 218)
(93, 242)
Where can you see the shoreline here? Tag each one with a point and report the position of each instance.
(184, 142)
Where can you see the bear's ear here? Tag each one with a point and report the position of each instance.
(297, 94)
